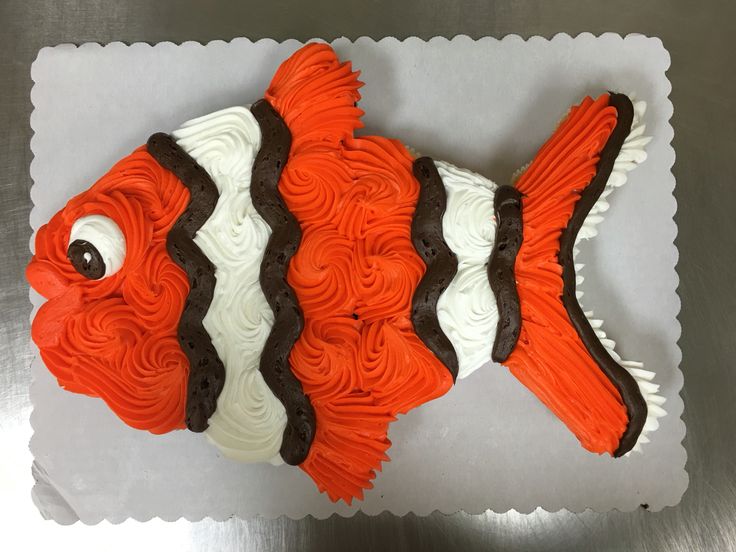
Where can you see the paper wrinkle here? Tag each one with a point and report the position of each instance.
(492, 444)
(48, 498)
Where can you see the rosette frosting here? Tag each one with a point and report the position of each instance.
(358, 358)
(116, 337)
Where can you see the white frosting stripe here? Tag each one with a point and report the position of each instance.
(467, 309)
(249, 421)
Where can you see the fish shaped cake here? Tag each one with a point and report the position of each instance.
(267, 277)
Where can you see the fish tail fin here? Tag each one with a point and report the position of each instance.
(562, 355)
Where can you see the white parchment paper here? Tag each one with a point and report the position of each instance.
(486, 105)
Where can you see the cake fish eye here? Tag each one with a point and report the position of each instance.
(96, 247)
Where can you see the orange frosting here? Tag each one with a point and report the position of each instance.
(115, 338)
(355, 273)
(550, 359)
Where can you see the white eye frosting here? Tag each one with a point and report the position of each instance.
(96, 247)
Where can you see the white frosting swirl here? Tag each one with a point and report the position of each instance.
(249, 422)
(105, 235)
(467, 309)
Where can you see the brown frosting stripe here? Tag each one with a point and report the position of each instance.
(78, 252)
(206, 371)
(282, 245)
(509, 235)
(429, 241)
(617, 374)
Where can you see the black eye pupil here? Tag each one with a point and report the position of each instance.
(86, 259)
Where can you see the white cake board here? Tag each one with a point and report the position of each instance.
(489, 443)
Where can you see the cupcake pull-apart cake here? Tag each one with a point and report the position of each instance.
(266, 277)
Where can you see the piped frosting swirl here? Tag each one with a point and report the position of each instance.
(467, 309)
(249, 422)
(116, 337)
(359, 360)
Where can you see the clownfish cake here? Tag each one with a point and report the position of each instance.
(266, 277)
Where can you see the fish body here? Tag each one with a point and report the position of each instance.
(266, 277)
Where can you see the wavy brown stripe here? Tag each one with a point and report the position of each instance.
(206, 371)
(429, 241)
(617, 374)
(509, 235)
(288, 320)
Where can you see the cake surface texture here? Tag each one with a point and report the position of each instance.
(268, 277)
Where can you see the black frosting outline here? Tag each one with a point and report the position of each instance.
(206, 371)
(501, 276)
(618, 375)
(429, 241)
(288, 319)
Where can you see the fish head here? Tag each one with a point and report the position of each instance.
(114, 295)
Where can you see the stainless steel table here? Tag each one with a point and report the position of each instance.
(700, 38)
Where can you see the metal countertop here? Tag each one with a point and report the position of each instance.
(699, 37)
